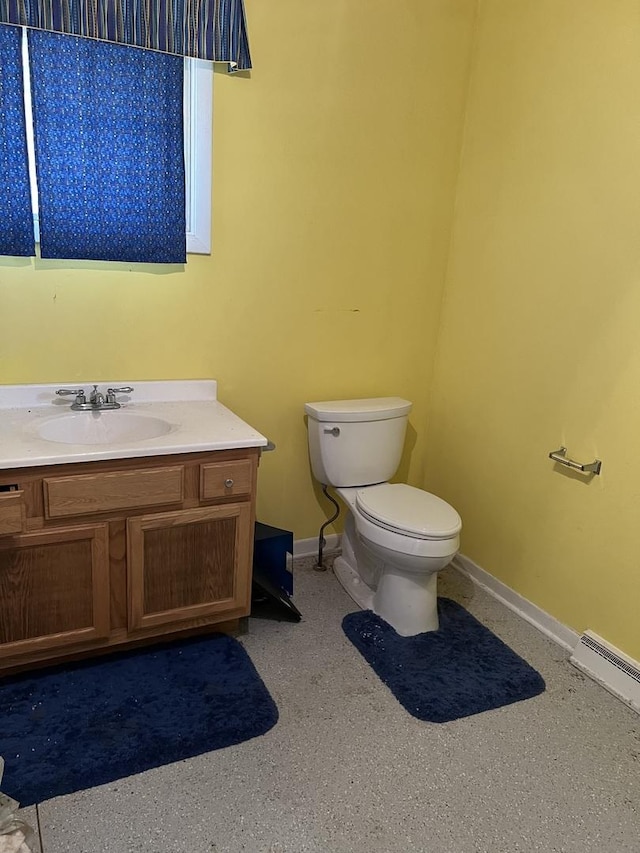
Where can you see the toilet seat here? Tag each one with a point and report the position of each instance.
(408, 511)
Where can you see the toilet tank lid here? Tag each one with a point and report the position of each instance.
(370, 409)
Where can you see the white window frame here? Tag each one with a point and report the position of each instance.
(198, 148)
(198, 145)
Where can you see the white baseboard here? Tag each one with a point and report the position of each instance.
(309, 547)
(540, 619)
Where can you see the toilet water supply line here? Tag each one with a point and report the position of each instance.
(320, 567)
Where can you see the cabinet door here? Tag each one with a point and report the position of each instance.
(189, 565)
(54, 589)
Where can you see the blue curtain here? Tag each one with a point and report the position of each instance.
(16, 219)
(108, 128)
(206, 29)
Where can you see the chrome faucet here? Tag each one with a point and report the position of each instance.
(97, 401)
(96, 398)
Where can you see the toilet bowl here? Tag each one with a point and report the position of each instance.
(391, 568)
(396, 537)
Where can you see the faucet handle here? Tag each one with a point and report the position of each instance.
(78, 393)
(111, 392)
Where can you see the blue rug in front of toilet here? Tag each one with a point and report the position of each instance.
(459, 670)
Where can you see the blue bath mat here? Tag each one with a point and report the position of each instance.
(458, 670)
(85, 724)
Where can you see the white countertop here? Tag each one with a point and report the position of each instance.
(198, 422)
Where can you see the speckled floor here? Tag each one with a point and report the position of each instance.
(346, 769)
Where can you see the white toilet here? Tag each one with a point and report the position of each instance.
(396, 537)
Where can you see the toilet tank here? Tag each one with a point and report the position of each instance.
(356, 442)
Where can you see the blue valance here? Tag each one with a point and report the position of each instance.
(206, 29)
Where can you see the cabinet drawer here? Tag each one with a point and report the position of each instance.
(12, 513)
(84, 494)
(231, 479)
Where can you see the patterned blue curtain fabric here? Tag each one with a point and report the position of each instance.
(207, 29)
(108, 129)
(16, 219)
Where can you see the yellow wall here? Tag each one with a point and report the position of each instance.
(335, 167)
(540, 341)
(334, 173)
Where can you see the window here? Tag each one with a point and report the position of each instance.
(198, 108)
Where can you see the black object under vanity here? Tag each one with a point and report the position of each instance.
(272, 576)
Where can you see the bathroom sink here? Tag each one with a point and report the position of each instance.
(102, 428)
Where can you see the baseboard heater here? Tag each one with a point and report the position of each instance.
(608, 666)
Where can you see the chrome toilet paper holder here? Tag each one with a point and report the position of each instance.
(586, 468)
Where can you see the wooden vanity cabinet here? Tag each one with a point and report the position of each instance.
(102, 554)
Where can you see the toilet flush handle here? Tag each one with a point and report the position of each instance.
(333, 431)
